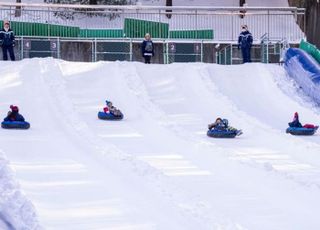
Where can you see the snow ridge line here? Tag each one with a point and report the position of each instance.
(267, 166)
(113, 157)
(136, 85)
(17, 211)
(191, 206)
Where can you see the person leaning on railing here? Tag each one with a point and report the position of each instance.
(7, 41)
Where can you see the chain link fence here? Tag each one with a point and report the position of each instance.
(92, 50)
(166, 51)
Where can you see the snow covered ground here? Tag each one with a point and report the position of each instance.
(16, 211)
(157, 169)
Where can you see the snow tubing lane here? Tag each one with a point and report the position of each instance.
(221, 133)
(15, 125)
(109, 116)
(305, 70)
(302, 131)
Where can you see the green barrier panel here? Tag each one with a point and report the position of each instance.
(42, 29)
(101, 33)
(191, 34)
(134, 28)
(310, 49)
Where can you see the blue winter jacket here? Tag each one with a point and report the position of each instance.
(245, 40)
(147, 48)
(14, 116)
(295, 123)
(7, 37)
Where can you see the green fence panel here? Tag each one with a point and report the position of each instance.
(191, 34)
(134, 28)
(310, 49)
(101, 33)
(43, 29)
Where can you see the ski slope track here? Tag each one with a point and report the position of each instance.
(157, 169)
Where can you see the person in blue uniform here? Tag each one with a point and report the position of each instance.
(245, 43)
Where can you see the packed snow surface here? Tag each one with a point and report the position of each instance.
(157, 169)
(16, 210)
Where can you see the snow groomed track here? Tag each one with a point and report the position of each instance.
(157, 169)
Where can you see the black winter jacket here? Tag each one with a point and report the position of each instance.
(7, 37)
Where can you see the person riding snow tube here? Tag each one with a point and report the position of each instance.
(296, 128)
(110, 112)
(14, 120)
(221, 129)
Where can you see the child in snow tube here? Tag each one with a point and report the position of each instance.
(14, 120)
(296, 128)
(221, 129)
(110, 112)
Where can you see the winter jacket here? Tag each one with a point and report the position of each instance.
(245, 40)
(295, 123)
(147, 48)
(7, 37)
(14, 116)
(218, 125)
(113, 110)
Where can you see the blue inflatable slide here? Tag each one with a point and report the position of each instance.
(305, 70)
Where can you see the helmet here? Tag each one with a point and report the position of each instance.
(225, 121)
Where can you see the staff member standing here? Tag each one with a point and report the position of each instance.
(245, 42)
(147, 49)
(7, 41)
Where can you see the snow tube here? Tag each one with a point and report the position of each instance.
(223, 133)
(109, 116)
(15, 125)
(302, 131)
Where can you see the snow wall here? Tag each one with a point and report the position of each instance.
(305, 71)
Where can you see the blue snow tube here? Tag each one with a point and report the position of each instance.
(222, 133)
(302, 131)
(109, 116)
(15, 125)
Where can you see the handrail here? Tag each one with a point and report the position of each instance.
(140, 7)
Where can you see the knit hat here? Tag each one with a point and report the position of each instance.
(296, 114)
(14, 108)
(6, 22)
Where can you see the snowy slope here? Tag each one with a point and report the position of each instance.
(157, 169)
(16, 210)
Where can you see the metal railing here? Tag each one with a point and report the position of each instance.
(265, 50)
(272, 49)
(92, 50)
(210, 23)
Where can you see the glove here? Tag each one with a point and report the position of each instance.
(13, 43)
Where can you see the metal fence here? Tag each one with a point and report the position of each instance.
(266, 50)
(203, 23)
(92, 50)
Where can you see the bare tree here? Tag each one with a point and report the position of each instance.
(242, 12)
(17, 12)
(169, 3)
